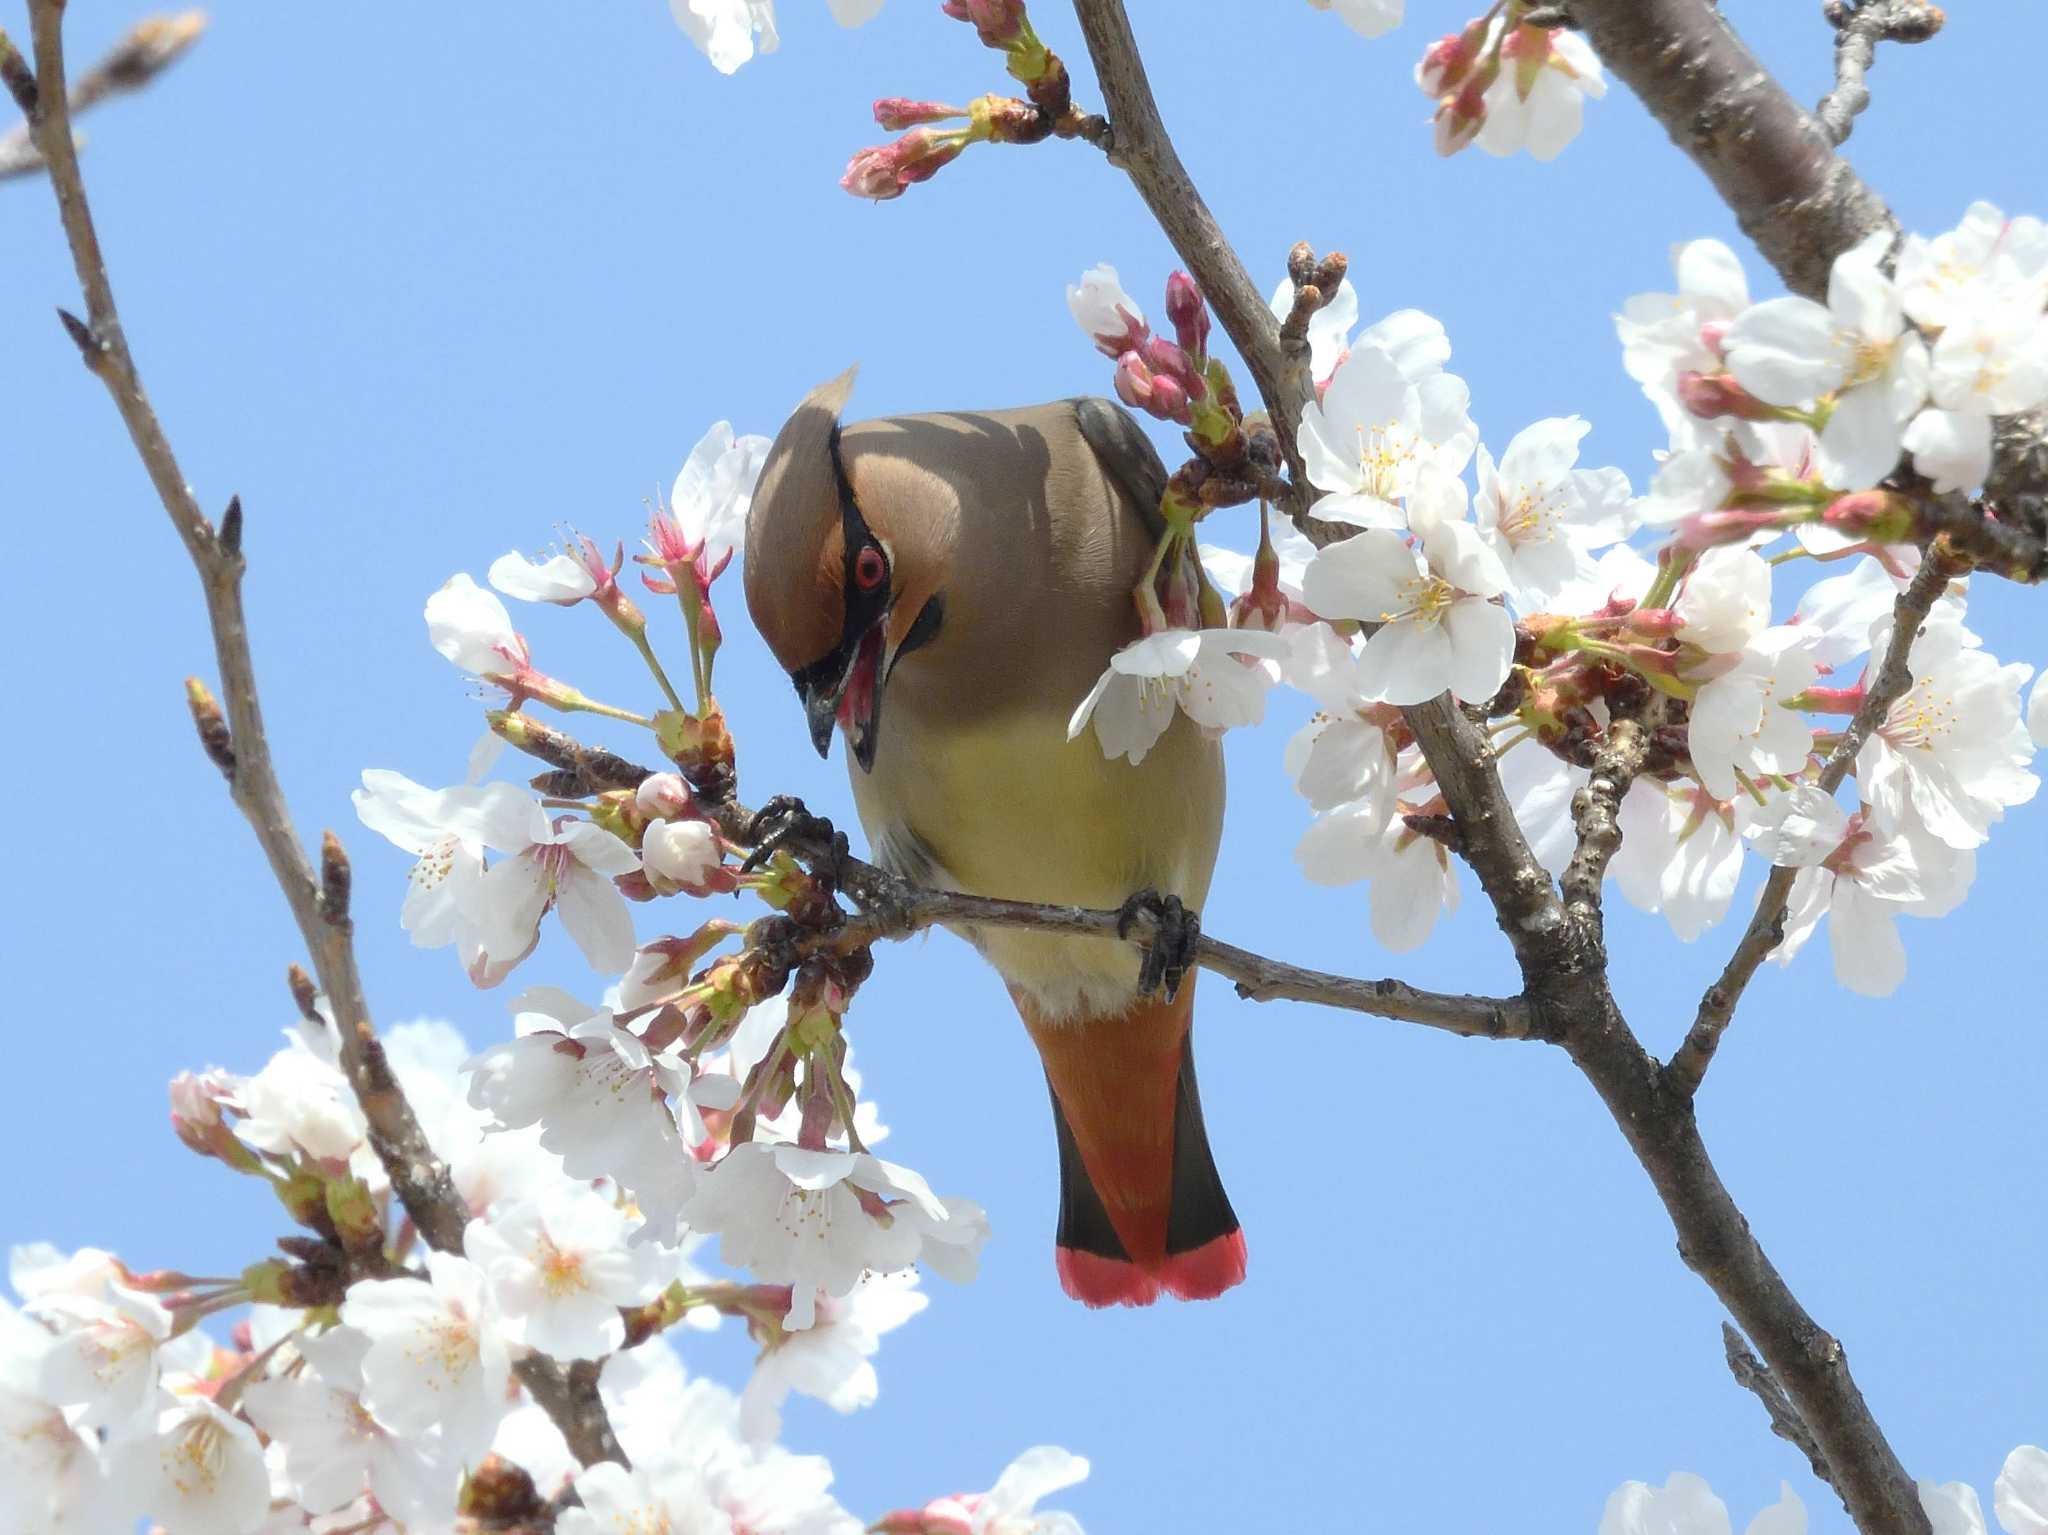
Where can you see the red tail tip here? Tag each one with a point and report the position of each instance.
(1208, 1271)
(1098, 1281)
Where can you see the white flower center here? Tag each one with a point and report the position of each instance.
(437, 861)
(1868, 360)
(560, 1273)
(1384, 454)
(1423, 599)
(193, 1460)
(1533, 517)
(1921, 719)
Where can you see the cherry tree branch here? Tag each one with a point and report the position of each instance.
(149, 48)
(1803, 206)
(238, 744)
(892, 909)
(1767, 927)
(1755, 1377)
(1860, 25)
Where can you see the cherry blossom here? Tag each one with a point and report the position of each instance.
(1110, 316)
(2020, 1498)
(567, 864)
(706, 516)
(102, 1359)
(1726, 601)
(1952, 1508)
(1439, 627)
(599, 1097)
(1339, 759)
(563, 578)
(1954, 745)
(1860, 876)
(1741, 723)
(200, 1473)
(437, 1354)
(1366, 440)
(1542, 516)
(50, 1473)
(1368, 18)
(443, 829)
(1204, 673)
(1686, 1505)
(559, 1267)
(1539, 98)
(2037, 710)
(815, 1220)
(1412, 875)
(831, 1359)
(1942, 277)
(470, 627)
(1665, 336)
(683, 853)
(1791, 351)
(1681, 853)
(1008, 1508)
(333, 1449)
(667, 1495)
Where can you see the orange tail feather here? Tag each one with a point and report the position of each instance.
(1141, 1206)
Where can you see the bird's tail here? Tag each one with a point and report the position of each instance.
(1142, 1208)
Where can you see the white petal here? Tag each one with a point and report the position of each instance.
(1784, 351)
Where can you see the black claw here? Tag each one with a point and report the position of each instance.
(784, 822)
(1170, 950)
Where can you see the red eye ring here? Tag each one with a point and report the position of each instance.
(869, 568)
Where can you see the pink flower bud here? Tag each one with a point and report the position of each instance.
(1712, 395)
(665, 797)
(1459, 117)
(899, 112)
(1189, 314)
(883, 172)
(1133, 381)
(1880, 516)
(998, 23)
(1169, 401)
(1163, 357)
(1706, 530)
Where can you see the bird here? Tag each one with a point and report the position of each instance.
(944, 588)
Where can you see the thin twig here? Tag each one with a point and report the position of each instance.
(150, 47)
(894, 909)
(1688, 1065)
(318, 902)
(1860, 25)
(1754, 1376)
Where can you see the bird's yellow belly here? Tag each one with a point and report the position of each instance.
(1007, 806)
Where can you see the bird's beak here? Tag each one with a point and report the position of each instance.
(846, 689)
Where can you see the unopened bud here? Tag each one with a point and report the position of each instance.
(1461, 115)
(665, 797)
(897, 113)
(998, 23)
(1448, 60)
(1713, 395)
(1189, 313)
(1876, 516)
(887, 170)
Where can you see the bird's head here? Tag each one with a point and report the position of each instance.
(846, 554)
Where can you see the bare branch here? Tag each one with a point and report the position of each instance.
(1860, 25)
(1771, 162)
(893, 908)
(1753, 1375)
(1767, 927)
(150, 47)
(319, 903)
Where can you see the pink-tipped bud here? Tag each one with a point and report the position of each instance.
(1445, 63)
(1169, 400)
(899, 112)
(1133, 381)
(1878, 516)
(1707, 530)
(1460, 116)
(1163, 357)
(1711, 396)
(665, 797)
(1189, 313)
(885, 171)
(998, 23)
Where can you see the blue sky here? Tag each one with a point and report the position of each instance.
(424, 293)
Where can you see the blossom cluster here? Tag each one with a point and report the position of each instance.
(603, 1153)
(1686, 1505)
(1554, 599)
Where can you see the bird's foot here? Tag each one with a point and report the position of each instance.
(1170, 949)
(785, 825)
